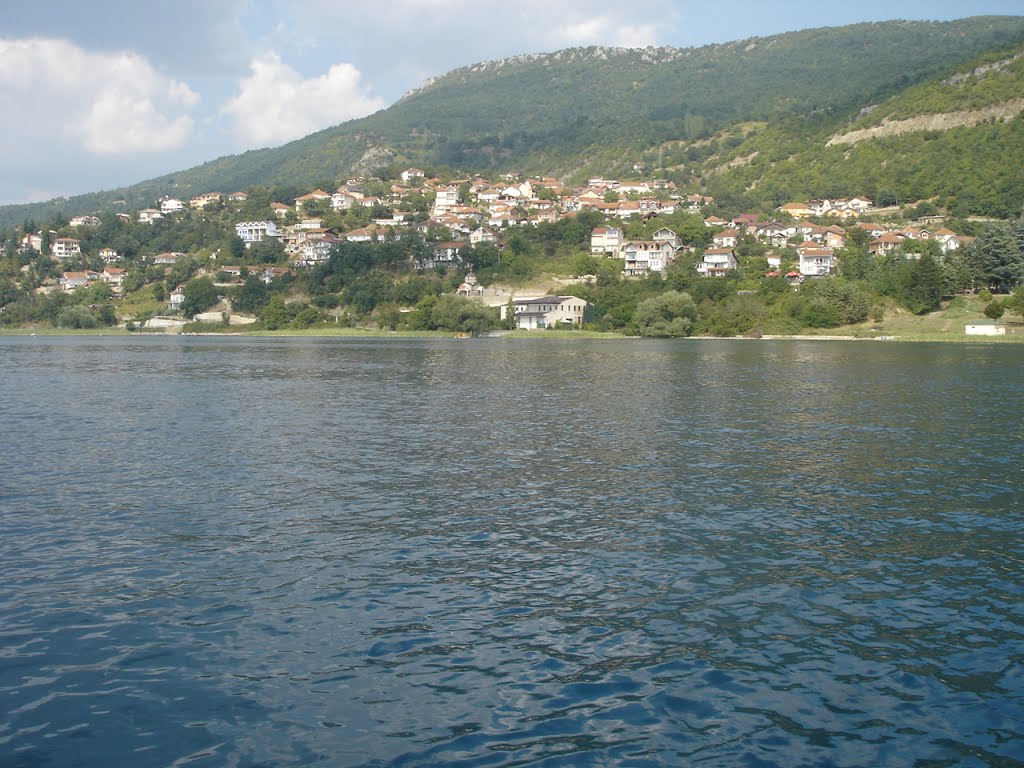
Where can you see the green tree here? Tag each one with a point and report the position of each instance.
(1015, 304)
(994, 309)
(671, 314)
(997, 258)
(250, 296)
(197, 295)
(76, 316)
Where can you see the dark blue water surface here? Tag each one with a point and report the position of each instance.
(496, 552)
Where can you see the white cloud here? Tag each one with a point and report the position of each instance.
(107, 103)
(275, 104)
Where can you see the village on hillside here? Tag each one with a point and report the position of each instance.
(453, 218)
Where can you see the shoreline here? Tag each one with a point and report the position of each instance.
(351, 333)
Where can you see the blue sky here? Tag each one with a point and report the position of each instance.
(106, 93)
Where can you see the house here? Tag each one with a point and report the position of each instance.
(859, 204)
(727, 238)
(606, 241)
(714, 221)
(716, 262)
(885, 244)
(834, 237)
(171, 205)
(113, 276)
(280, 210)
(238, 197)
(32, 242)
(343, 199)
(84, 221)
(176, 299)
(316, 196)
(411, 174)
(796, 210)
(270, 274)
(820, 207)
(874, 230)
(695, 202)
(149, 215)
(207, 198)
(482, 235)
(364, 235)
(232, 270)
(986, 328)
(443, 255)
(445, 199)
(69, 281)
(470, 287)
(316, 251)
(666, 235)
(549, 312)
(256, 231)
(109, 255)
(774, 233)
(816, 261)
(643, 256)
(956, 242)
(66, 248)
(167, 258)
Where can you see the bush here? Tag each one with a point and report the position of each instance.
(821, 314)
(77, 316)
(668, 315)
(994, 309)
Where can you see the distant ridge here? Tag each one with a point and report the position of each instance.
(681, 113)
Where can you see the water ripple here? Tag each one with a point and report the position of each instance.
(501, 552)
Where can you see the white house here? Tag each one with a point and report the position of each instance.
(666, 235)
(149, 215)
(445, 199)
(113, 276)
(606, 241)
(109, 255)
(176, 299)
(171, 205)
(69, 281)
(716, 262)
(549, 312)
(66, 248)
(482, 235)
(256, 231)
(84, 221)
(727, 238)
(643, 256)
(816, 261)
(167, 258)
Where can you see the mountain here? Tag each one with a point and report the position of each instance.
(725, 117)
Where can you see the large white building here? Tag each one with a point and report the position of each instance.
(549, 312)
(256, 231)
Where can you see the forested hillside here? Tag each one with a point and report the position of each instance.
(683, 113)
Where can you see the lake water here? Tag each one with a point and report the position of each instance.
(496, 552)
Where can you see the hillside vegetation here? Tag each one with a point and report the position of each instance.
(681, 112)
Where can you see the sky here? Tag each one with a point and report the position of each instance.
(102, 94)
